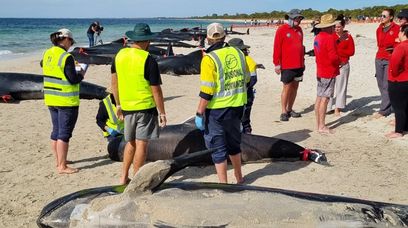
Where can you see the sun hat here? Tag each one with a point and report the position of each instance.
(66, 33)
(327, 20)
(141, 32)
(215, 31)
(238, 43)
(403, 14)
(295, 13)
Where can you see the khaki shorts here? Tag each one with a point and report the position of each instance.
(141, 126)
(325, 87)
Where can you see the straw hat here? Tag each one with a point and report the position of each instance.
(327, 20)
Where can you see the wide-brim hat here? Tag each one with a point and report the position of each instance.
(403, 14)
(238, 43)
(141, 32)
(294, 13)
(327, 20)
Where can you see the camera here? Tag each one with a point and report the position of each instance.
(99, 28)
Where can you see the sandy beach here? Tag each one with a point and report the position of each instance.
(364, 163)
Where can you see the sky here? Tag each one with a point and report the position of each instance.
(167, 8)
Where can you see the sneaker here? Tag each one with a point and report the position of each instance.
(294, 114)
(317, 156)
(284, 117)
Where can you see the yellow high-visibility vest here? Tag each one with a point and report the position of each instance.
(134, 90)
(58, 91)
(113, 121)
(231, 78)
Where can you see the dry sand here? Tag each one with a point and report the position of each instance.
(364, 163)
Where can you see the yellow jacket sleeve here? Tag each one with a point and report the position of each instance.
(208, 76)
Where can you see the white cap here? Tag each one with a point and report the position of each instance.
(66, 33)
(215, 31)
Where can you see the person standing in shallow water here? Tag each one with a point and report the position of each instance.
(345, 49)
(387, 34)
(61, 94)
(289, 61)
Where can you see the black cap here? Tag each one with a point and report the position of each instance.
(403, 13)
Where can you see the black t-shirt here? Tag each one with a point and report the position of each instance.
(90, 31)
(151, 74)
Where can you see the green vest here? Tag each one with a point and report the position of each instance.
(113, 121)
(134, 90)
(58, 91)
(231, 78)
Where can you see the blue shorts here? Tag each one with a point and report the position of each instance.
(63, 122)
(223, 133)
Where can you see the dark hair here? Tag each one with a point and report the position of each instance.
(404, 29)
(391, 12)
(340, 18)
(55, 38)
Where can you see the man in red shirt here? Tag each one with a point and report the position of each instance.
(387, 33)
(327, 64)
(288, 58)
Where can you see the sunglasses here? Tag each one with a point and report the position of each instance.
(384, 16)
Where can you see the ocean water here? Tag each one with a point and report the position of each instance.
(24, 36)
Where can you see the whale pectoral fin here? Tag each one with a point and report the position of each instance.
(260, 66)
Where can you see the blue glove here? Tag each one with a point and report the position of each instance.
(112, 132)
(199, 122)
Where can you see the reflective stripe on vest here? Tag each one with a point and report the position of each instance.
(231, 78)
(113, 121)
(134, 90)
(58, 91)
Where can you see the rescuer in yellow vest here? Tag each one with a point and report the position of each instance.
(108, 120)
(223, 94)
(61, 94)
(138, 95)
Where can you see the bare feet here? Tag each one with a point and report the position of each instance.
(325, 130)
(67, 170)
(124, 181)
(337, 112)
(393, 135)
(377, 115)
(240, 181)
(392, 122)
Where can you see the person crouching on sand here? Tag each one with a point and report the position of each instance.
(327, 64)
(61, 94)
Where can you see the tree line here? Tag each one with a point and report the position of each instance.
(310, 13)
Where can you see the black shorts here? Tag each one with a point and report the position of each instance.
(289, 75)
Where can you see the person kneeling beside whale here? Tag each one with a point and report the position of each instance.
(107, 119)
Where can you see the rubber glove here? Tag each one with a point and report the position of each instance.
(199, 122)
(112, 132)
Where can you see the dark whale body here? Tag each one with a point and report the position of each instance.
(181, 64)
(263, 205)
(22, 86)
(183, 139)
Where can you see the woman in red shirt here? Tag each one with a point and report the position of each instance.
(387, 34)
(345, 49)
(398, 84)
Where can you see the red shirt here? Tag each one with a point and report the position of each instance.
(398, 67)
(327, 59)
(386, 40)
(288, 50)
(345, 48)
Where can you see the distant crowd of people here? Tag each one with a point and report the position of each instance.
(135, 107)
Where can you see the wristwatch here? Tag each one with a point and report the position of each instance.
(199, 114)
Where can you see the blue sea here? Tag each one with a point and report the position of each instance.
(24, 36)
